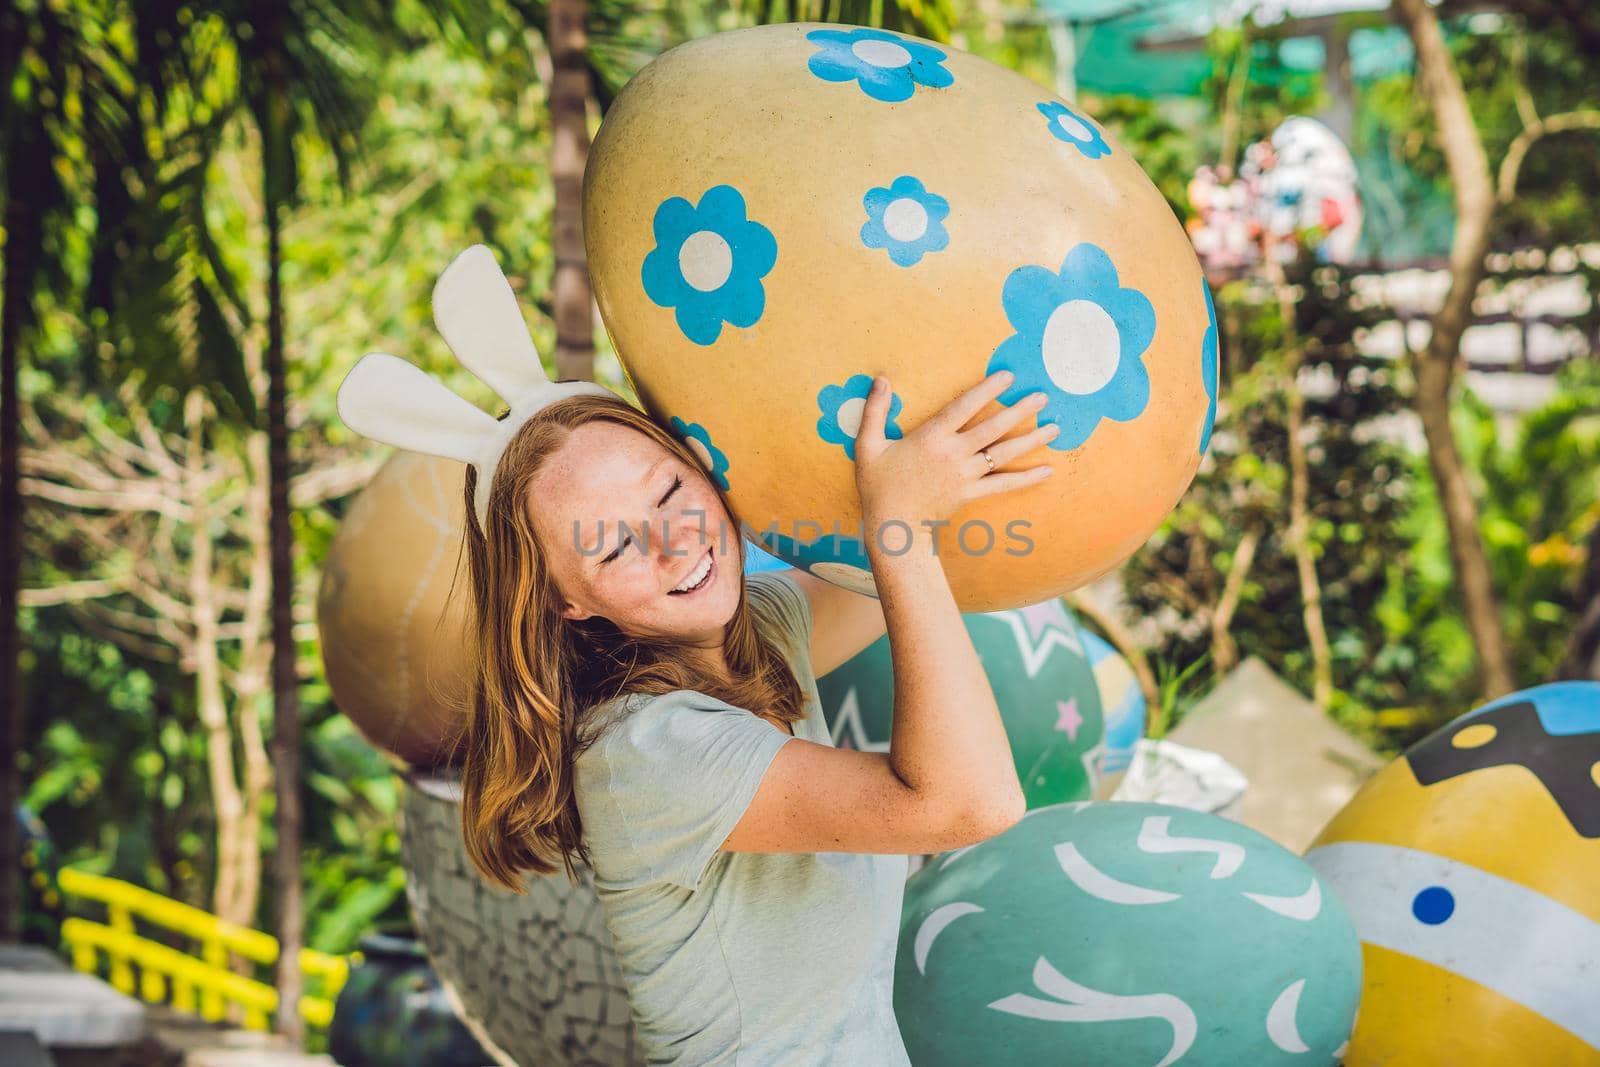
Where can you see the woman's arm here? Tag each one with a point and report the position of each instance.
(948, 778)
(842, 623)
(947, 735)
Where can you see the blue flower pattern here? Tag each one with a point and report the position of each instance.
(1069, 126)
(835, 558)
(708, 263)
(1080, 340)
(1208, 367)
(906, 219)
(886, 66)
(841, 430)
(711, 457)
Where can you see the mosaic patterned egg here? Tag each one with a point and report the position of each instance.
(1140, 935)
(1470, 866)
(1042, 683)
(774, 215)
(1121, 698)
(533, 975)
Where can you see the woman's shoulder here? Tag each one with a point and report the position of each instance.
(636, 720)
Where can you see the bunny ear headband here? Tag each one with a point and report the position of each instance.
(393, 401)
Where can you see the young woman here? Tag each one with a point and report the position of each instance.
(646, 707)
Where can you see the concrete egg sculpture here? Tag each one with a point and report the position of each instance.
(774, 215)
(534, 975)
(1042, 682)
(390, 630)
(1141, 935)
(1471, 866)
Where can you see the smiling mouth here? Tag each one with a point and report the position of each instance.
(698, 578)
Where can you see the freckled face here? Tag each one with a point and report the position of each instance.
(636, 536)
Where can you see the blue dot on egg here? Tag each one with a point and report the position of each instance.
(1434, 905)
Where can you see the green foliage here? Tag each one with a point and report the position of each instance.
(1251, 83)
(1166, 152)
(1361, 487)
(1178, 690)
(1403, 659)
(1507, 65)
(1541, 499)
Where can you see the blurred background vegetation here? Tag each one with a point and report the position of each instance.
(151, 151)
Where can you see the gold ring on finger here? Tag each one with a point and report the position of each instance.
(984, 452)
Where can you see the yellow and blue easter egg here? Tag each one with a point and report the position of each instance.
(1122, 699)
(1471, 866)
(1133, 935)
(774, 215)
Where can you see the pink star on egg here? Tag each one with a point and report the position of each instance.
(1070, 718)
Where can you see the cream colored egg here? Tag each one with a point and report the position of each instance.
(391, 632)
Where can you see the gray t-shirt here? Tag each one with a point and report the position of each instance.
(744, 958)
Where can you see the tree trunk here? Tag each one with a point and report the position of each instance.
(569, 131)
(1224, 651)
(254, 659)
(1434, 366)
(277, 180)
(231, 898)
(1233, 107)
(22, 248)
(1300, 497)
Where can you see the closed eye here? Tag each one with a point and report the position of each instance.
(615, 552)
(677, 483)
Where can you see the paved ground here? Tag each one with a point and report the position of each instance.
(178, 1040)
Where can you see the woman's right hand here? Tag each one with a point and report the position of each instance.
(936, 469)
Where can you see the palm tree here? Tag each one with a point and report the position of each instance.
(295, 69)
(296, 76)
(70, 133)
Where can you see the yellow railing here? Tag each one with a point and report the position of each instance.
(205, 985)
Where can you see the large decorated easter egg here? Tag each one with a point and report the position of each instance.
(1042, 683)
(1471, 866)
(389, 629)
(1140, 935)
(1121, 698)
(774, 215)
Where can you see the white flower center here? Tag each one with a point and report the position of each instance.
(1074, 127)
(850, 415)
(905, 219)
(881, 53)
(1081, 347)
(705, 260)
(847, 577)
(701, 452)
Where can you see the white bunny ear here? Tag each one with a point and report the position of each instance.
(476, 311)
(389, 400)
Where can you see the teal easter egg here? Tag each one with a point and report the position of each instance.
(1042, 683)
(1134, 935)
